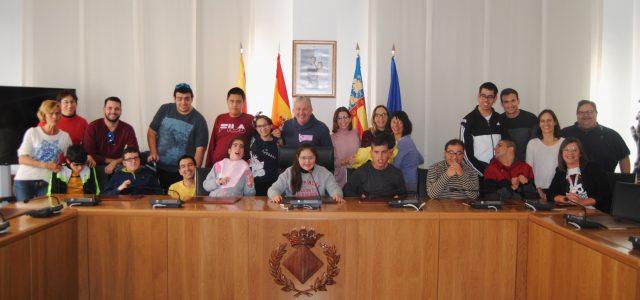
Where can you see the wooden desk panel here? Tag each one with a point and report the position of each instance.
(395, 259)
(561, 268)
(208, 257)
(477, 259)
(54, 262)
(15, 271)
(127, 257)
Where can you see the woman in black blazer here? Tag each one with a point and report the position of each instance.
(576, 179)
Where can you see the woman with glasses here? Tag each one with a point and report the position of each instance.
(345, 143)
(542, 151)
(264, 154)
(39, 153)
(577, 180)
(380, 123)
(305, 179)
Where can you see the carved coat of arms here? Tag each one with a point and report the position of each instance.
(302, 263)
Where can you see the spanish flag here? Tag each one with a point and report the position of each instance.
(280, 111)
(357, 107)
(242, 81)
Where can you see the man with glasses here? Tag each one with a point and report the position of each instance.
(506, 177)
(228, 126)
(106, 138)
(133, 179)
(603, 146)
(480, 130)
(452, 178)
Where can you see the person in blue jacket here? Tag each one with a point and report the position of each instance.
(408, 157)
(133, 179)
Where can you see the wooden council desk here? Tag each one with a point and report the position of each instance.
(124, 249)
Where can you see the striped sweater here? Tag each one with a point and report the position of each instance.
(439, 185)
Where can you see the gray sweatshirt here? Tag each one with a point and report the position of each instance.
(240, 189)
(324, 181)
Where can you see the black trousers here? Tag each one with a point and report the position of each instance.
(167, 178)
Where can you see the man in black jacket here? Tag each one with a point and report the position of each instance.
(481, 130)
(518, 123)
(377, 178)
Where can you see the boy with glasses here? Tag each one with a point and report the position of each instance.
(75, 177)
(452, 178)
(133, 179)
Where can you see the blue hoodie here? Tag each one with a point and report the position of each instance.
(143, 182)
(313, 132)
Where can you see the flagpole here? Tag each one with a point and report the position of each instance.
(241, 49)
(357, 49)
(393, 50)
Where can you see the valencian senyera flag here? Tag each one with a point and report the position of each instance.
(394, 101)
(357, 107)
(242, 82)
(280, 111)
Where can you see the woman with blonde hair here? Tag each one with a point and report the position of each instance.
(39, 153)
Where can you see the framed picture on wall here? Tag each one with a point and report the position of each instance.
(314, 68)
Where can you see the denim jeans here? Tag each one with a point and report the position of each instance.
(28, 189)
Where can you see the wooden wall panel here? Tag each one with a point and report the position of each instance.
(54, 262)
(477, 259)
(396, 259)
(127, 256)
(208, 257)
(560, 268)
(266, 234)
(15, 271)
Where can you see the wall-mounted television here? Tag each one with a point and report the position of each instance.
(18, 108)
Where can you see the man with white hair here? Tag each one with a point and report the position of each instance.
(304, 127)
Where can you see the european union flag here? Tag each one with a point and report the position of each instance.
(394, 101)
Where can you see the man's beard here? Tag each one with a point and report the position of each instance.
(112, 120)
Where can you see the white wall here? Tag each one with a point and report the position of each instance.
(553, 52)
(346, 23)
(11, 45)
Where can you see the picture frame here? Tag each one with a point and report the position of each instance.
(314, 68)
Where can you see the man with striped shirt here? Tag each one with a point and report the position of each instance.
(452, 178)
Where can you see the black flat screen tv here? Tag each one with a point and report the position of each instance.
(18, 108)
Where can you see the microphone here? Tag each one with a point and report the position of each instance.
(315, 184)
(580, 221)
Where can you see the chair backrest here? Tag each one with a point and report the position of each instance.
(287, 154)
(612, 178)
(422, 183)
(201, 175)
(625, 202)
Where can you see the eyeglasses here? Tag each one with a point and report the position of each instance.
(570, 150)
(111, 139)
(131, 159)
(262, 126)
(586, 112)
(307, 158)
(488, 97)
(455, 152)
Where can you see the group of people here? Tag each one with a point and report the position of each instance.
(509, 155)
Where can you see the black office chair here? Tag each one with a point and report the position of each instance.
(287, 154)
(200, 176)
(612, 178)
(422, 183)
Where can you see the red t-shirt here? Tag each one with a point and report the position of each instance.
(499, 172)
(74, 126)
(224, 130)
